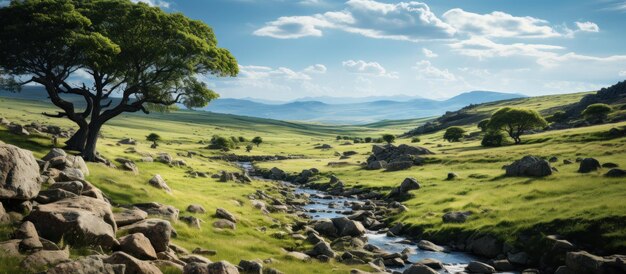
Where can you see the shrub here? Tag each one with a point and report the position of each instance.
(493, 138)
(368, 139)
(257, 140)
(597, 112)
(415, 140)
(242, 139)
(219, 142)
(453, 134)
(389, 138)
(249, 147)
(153, 137)
(483, 124)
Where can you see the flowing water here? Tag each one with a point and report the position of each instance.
(320, 208)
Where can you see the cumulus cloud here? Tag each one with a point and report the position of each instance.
(499, 24)
(587, 26)
(261, 72)
(367, 68)
(408, 21)
(429, 53)
(484, 48)
(316, 69)
(426, 70)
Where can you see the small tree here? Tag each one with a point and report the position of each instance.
(249, 148)
(338, 137)
(242, 139)
(493, 138)
(154, 138)
(483, 125)
(389, 138)
(597, 113)
(453, 134)
(515, 121)
(257, 140)
(368, 139)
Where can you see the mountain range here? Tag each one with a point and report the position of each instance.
(336, 110)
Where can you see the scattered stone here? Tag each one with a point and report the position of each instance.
(224, 214)
(75, 187)
(588, 165)
(429, 246)
(567, 162)
(251, 267)
(196, 209)
(224, 224)
(610, 165)
(323, 248)
(157, 231)
(202, 251)
(347, 227)
(299, 256)
(456, 216)
(529, 166)
(158, 182)
(222, 267)
(478, 267)
(54, 153)
(87, 265)
(127, 141)
(164, 158)
(166, 211)
(133, 266)
(616, 173)
(191, 221)
(419, 269)
(43, 258)
(407, 185)
(19, 173)
(138, 246)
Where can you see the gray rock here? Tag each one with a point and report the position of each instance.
(486, 246)
(133, 265)
(138, 246)
(323, 248)
(529, 166)
(478, 267)
(583, 262)
(158, 231)
(419, 269)
(53, 195)
(87, 265)
(326, 227)
(158, 182)
(251, 267)
(44, 258)
(429, 246)
(129, 216)
(588, 165)
(224, 224)
(222, 267)
(224, 214)
(456, 216)
(54, 153)
(196, 209)
(196, 268)
(616, 173)
(75, 187)
(347, 227)
(167, 211)
(19, 173)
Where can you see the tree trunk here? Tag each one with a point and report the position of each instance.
(78, 140)
(89, 153)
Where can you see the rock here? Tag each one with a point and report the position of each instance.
(347, 227)
(43, 258)
(399, 165)
(521, 258)
(157, 231)
(326, 227)
(202, 251)
(323, 248)
(529, 166)
(19, 174)
(127, 141)
(196, 209)
(407, 185)
(79, 163)
(71, 174)
(18, 130)
(87, 265)
(583, 262)
(299, 256)
(75, 187)
(224, 214)
(456, 216)
(222, 267)
(610, 165)
(53, 195)
(4, 217)
(563, 270)
(129, 216)
(30, 245)
(478, 267)
(26, 230)
(277, 174)
(79, 221)
(251, 267)
(452, 176)
(486, 246)
(133, 266)
(138, 246)
(567, 162)
(427, 245)
(158, 182)
(432, 263)
(54, 153)
(588, 165)
(419, 269)
(223, 223)
(616, 173)
(553, 159)
(10, 248)
(195, 259)
(164, 158)
(166, 211)
(374, 165)
(191, 221)
(502, 265)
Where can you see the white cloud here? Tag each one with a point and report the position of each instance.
(622, 73)
(484, 48)
(426, 70)
(587, 27)
(498, 24)
(154, 3)
(367, 68)
(573, 59)
(316, 69)
(261, 72)
(429, 53)
(408, 21)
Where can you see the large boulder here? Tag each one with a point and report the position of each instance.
(129, 216)
(222, 267)
(583, 262)
(158, 231)
(430, 246)
(78, 221)
(486, 246)
(529, 166)
(53, 195)
(87, 265)
(154, 208)
(478, 267)
(347, 227)
(44, 258)
(456, 216)
(19, 173)
(403, 190)
(323, 248)
(54, 153)
(419, 269)
(588, 165)
(138, 246)
(158, 182)
(616, 173)
(326, 227)
(4, 217)
(224, 214)
(196, 209)
(133, 265)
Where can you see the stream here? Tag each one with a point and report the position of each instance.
(320, 208)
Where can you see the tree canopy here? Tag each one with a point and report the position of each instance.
(515, 121)
(482, 125)
(389, 138)
(141, 54)
(453, 134)
(257, 140)
(597, 112)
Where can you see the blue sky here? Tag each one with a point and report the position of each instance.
(289, 49)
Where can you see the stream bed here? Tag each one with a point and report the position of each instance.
(320, 208)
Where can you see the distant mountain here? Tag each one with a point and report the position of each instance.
(356, 100)
(315, 111)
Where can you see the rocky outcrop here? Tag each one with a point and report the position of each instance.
(583, 262)
(19, 174)
(87, 265)
(456, 216)
(396, 158)
(529, 166)
(129, 216)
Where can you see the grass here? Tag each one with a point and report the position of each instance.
(588, 207)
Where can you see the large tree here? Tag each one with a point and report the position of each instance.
(516, 121)
(136, 58)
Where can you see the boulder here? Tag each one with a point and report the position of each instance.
(4, 217)
(610, 165)
(133, 265)
(299, 256)
(158, 182)
(79, 221)
(44, 258)
(277, 174)
(127, 141)
(166, 211)
(196, 209)
(191, 221)
(403, 190)
(164, 158)
(529, 166)
(54, 153)
(323, 248)
(583, 262)
(224, 224)
(251, 267)
(347, 227)
(18, 130)
(374, 165)
(224, 214)
(129, 216)
(616, 173)
(326, 228)
(19, 173)
(588, 165)
(399, 165)
(478, 267)
(486, 246)
(138, 246)
(10, 248)
(432, 263)
(87, 265)
(53, 195)
(75, 187)
(157, 231)
(429, 246)
(79, 163)
(222, 267)
(196, 268)
(419, 269)
(456, 216)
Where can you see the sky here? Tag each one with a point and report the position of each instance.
(289, 49)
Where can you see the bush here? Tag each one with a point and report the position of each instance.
(257, 140)
(483, 125)
(493, 138)
(153, 137)
(557, 117)
(389, 138)
(249, 147)
(597, 112)
(242, 139)
(219, 142)
(453, 134)
(415, 140)
(368, 139)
